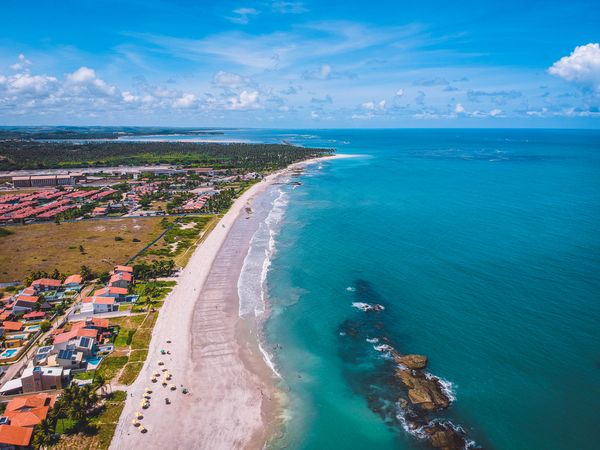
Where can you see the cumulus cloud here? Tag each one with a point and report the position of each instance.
(185, 101)
(85, 81)
(21, 64)
(400, 92)
(581, 67)
(228, 80)
(459, 108)
(245, 100)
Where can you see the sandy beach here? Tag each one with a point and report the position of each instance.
(232, 400)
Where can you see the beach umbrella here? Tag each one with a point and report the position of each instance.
(173, 387)
(160, 363)
(139, 415)
(154, 380)
(143, 429)
(135, 423)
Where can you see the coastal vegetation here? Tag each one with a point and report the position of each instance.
(27, 154)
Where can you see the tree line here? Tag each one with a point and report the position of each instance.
(26, 154)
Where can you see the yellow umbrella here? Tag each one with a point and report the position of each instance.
(139, 415)
(143, 429)
(135, 423)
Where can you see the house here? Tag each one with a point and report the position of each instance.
(73, 282)
(46, 284)
(25, 303)
(111, 291)
(70, 359)
(35, 315)
(12, 436)
(28, 291)
(120, 280)
(79, 339)
(28, 410)
(45, 378)
(12, 326)
(99, 211)
(104, 304)
(121, 269)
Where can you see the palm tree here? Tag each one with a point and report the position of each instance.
(44, 434)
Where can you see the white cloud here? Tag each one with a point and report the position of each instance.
(382, 104)
(245, 100)
(495, 112)
(21, 64)
(399, 92)
(368, 105)
(242, 15)
(185, 101)
(25, 84)
(459, 109)
(283, 7)
(582, 66)
(84, 80)
(228, 80)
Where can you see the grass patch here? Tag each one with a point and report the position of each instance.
(64, 426)
(111, 365)
(84, 375)
(138, 355)
(29, 245)
(130, 372)
(124, 338)
(141, 339)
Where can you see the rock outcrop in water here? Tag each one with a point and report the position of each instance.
(400, 380)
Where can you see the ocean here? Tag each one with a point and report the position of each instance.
(483, 247)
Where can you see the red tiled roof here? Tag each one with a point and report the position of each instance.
(28, 298)
(87, 332)
(104, 300)
(100, 323)
(46, 282)
(76, 278)
(34, 315)
(12, 326)
(65, 337)
(29, 418)
(28, 291)
(124, 269)
(31, 401)
(14, 435)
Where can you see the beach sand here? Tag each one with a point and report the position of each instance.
(233, 399)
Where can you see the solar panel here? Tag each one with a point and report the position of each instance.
(65, 354)
(84, 342)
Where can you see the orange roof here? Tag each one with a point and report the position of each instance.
(5, 315)
(126, 276)
(78, 325)
(110, 290)
(124, 269)
(28, 291)
(57, 331)
(100, 323)
(34, 315)
(31, 401)
(88, 300)
(87, 332)
(12, 326)
(104, 300)
(14, 435)
(65, 337)
(76, 278)
(29, 418)
(28, 298)
(46, 282)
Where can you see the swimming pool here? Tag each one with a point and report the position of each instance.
(9, 353)
(93, 362)
(32, 328)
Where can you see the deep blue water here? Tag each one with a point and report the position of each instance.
(484, 247)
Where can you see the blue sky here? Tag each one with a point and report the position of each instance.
(301, 63)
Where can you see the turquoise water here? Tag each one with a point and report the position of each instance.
(484, 247)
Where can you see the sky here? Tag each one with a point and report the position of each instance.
(301, 64)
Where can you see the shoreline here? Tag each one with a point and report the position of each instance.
(233, 399)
